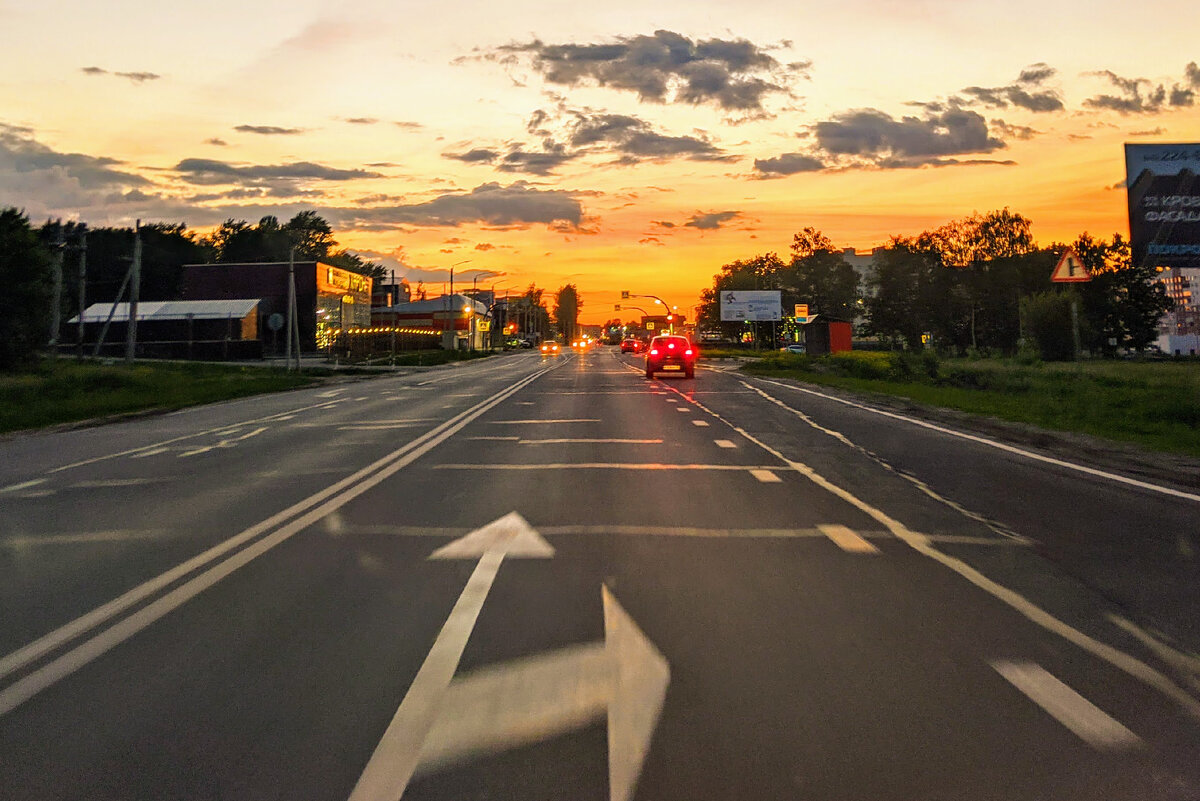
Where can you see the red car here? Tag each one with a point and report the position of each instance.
(632, 345)
(671, 355)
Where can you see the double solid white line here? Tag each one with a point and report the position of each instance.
(281, 526)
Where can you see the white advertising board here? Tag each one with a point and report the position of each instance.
(752, 305)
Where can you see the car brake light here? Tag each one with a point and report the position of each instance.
(654, 351)
(671, 345)
(687, 352)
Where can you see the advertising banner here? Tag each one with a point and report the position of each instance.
(752, 305)
(1164, 204)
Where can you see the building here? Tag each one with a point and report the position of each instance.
(463, 323)
(1179, 329)
(329, 300)
(197, 329)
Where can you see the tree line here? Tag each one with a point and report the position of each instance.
(974, 285)
(27, 254)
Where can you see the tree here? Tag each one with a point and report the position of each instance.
(897, 303)
(269, 241)
(25, 274)
(1122, 304)
(820, 277)
(566, 310)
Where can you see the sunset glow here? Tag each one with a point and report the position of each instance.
(615, 146)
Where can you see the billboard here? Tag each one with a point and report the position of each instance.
(1164, 204)
(753, 305)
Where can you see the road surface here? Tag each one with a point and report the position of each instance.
(532, 578)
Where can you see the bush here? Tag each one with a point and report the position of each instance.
(25, 300)
(1048, 317)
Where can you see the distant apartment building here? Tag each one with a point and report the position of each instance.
(1179, 329)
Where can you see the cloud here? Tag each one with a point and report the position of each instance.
(788, 164)
(1159, 131)
(361, 120)
(268, 130)
(1142, 96)
(878, 137)
(20, 153)
(214, 172)
(517, 205)
(1026, 92)
(576, 133)
(1008, 131)
(216, 141)
(733, 74)
(407, 125)
(135, 77)
(485, 246)
(712, 220)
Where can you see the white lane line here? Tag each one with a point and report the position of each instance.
(582, 440)
(84, 537)
(23, 485)
(318, 505)
(724, 443)
(360, 399)
(615, 466)
(920, 543)
(525, 403)
(31, 494)
(542, 422)
(495, 439)
(330, 393)
(151, 452)
(377, 426)
(846, 538)
(682, 409)
(1133, 482)
(766, 476)
(395, 758)
(115, 482)
(225, 443)
(269, 418)
(700, 423)
(1085, 719)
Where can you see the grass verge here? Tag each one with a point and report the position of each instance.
(1153, 404)
(59, 391)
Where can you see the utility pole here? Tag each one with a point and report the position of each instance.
(293, 324)
(135, 290)
(82, 283)
(56, 298)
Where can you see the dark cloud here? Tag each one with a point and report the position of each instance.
(573, 134)
(662, 223)
(1026, 93)
(214, 172)
(478, 155)
(411, 126)
(485, 246)
(1152, 132)
(1142, 96)
(136, 77)
(732, 74)
(878, 137)
(712, 220)
(20, 153)
(268, 130)
(1009, 131)
(788, 164)
(216, 141)
(516, 205)
(361, 120)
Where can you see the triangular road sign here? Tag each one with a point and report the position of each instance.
(1070, 269)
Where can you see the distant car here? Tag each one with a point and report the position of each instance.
(526, 343)
(632, 345)
(795, 347)
(671, 354)
(549, 348)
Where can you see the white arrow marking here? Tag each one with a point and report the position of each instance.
(397, 755)
(528, 700)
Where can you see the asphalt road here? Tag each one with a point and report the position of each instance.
(531, 578)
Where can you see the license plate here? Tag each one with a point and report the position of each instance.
(672, 367)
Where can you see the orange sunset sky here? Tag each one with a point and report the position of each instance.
(615, 146)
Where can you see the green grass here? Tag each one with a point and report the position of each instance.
(1153, 404)
(61, 391)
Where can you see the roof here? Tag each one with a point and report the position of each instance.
(455, 303)
(171, 310)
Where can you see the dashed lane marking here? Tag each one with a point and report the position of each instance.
(115, 482)
(1085, 719)
(682, 409)
(542, 422)
(582, 440)
(22, 485)
(724, 443)
(700, 423)
(766, 476)
(757, 472)
(846, 539)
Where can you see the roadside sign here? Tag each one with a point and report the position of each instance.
(650, 325)
(624, 294)
(801, 314)
(616, 307)
(750, 305)
(275, 321)
(1070, 270)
